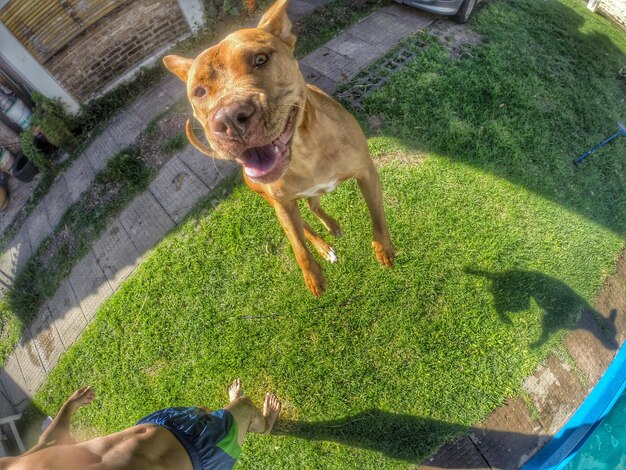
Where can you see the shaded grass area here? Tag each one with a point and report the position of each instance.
(542, 89)
(123, 178)
(500, 244)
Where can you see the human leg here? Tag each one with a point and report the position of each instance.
(248, 417)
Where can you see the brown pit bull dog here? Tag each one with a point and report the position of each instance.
(292, 140)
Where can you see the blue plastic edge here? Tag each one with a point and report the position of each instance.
(564, 445)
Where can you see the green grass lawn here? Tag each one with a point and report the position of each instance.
(500, 244)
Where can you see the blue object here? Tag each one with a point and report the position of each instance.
(622, 131)
(564, 446)
(210, 439)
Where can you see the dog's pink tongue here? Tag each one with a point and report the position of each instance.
(259, 161)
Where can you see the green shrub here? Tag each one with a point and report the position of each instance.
(41, 161)
(50, 116)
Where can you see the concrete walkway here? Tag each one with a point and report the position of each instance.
(180, 184)
(121, 132)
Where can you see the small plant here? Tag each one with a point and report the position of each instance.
(41, 161)
(175, 144)
(125, 168)
(53, 121)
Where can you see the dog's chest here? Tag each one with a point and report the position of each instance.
(319, 189)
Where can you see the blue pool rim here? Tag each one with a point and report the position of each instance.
(568, 441)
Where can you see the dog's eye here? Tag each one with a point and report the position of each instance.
(199, 92)
(259, 59)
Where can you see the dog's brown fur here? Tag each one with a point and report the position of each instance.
(247, 92)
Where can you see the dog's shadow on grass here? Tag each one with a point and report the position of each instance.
(513, 290)
(403, 437)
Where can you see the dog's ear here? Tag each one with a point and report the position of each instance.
(179, 66)
(276, 22)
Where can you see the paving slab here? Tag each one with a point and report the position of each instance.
(57, 201)
(177, 189)
(15, 256)
(126, 128)
(101, 150)
(157, 100)
(314, 77)
(116, 254)
(38, 226)
(78, 177)
(33, 370)
(145, 222)
(389, 24)
(350, 52)
(14, 383)
(66, 314)
(171, 86)
(509, 436)
(46, 339)
(90, 285)
(555, 391)
(209, 170)
(358, 53)
(329, 63)
(461, 453)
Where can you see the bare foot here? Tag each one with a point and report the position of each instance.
(235, 390)
(271, 410)
(81, 397)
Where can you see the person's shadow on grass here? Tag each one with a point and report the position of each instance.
(512, 293)
(403, 437)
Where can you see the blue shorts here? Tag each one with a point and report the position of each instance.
(209, 438)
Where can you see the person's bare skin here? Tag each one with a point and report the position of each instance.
(144, 446)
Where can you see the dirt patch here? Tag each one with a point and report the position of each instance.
(400, 157)
(160, 142)
(66, 241)
(61, 241)
(611, 302)
(455, 37)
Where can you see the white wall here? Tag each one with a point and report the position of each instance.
(32, 71)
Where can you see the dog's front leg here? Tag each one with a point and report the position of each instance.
(369, 184)
(291, 220)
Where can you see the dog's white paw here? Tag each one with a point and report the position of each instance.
(332, 256)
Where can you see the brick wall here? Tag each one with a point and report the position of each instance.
(614, 10)
(115, 44)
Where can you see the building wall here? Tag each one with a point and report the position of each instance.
(115, 44)
(614, 10)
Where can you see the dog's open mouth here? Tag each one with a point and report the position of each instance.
(268, 162)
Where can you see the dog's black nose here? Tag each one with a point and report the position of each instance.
(233, 120)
